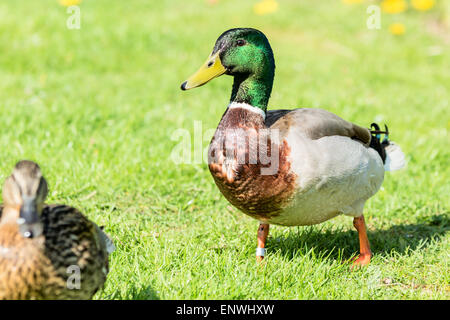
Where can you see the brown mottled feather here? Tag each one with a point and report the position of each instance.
(37, 268)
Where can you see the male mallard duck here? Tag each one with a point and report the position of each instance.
(324, 166)
(47, 251)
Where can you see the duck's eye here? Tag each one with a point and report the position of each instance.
(240, 43)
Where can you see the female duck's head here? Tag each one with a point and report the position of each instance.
(25, 191)
(246, 54)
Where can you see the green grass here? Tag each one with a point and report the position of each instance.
(97, 107)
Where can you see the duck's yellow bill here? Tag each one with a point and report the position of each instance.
(211, 69)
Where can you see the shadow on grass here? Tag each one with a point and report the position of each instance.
(144, 294)
(135, 293)
(344, 244)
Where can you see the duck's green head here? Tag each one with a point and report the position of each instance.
(246, 54)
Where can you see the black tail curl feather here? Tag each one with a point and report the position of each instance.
(376, 142)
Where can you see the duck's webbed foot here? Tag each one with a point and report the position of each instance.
(364, 247)
(263, 232)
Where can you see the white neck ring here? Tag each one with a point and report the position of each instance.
(246, 106)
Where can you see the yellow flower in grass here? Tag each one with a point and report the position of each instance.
(69, 3)
(265, 7)
(422, 5)
(394, 6)
(397, 29)
(351, 1)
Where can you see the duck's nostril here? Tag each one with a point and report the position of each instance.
(210, 63)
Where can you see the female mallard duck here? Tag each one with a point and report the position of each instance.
(47, 251)
(288, 167)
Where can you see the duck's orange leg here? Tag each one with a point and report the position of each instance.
(364, 247)
(263, 232)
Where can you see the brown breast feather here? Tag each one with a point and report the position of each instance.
(241, 182)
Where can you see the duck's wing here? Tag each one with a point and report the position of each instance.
(73, 240)
(273, 115)
(315, 124)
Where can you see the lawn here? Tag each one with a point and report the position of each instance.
(97, 108)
